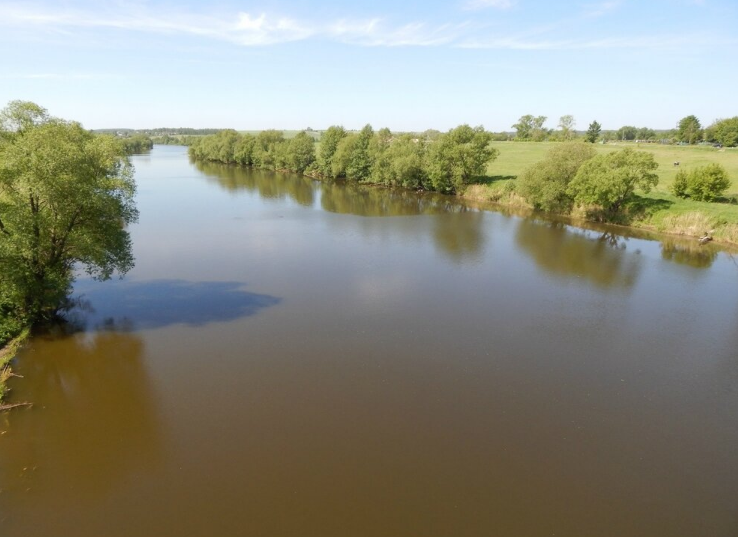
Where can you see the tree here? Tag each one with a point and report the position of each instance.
(266, 153)
(566, 124)
(301, 152)
(593, 132)
(644, 133)
(689, 130)
(458, 156)
(530, 127)
(359, 166)
(627, 133)
(328, 144)
(607, 181)
(401, 164)
(724, 132)
(66, 197)
(544, 184)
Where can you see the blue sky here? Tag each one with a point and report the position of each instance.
(407, 65)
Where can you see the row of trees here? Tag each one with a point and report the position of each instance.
(66, 196)
(442, 162)
(689, 130)
(138, 143)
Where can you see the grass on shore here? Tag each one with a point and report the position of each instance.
(7, 353)
(658, 210)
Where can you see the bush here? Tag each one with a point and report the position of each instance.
(544, 184)
(681, 184)
(608, 181)
(706, 183)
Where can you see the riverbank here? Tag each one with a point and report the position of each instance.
(656, 212)
(7, 353)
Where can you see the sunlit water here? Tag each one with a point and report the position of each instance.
(293, 358)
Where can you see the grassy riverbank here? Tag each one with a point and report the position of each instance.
(7, 353)
(658, 210)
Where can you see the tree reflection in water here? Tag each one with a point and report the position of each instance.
(93, 423)
(560, 251)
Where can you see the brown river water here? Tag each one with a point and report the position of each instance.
(294, 358)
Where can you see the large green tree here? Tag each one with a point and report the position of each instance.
(627, 133)
(328, 144)
(566, 124)
(458, 156)
(544, 184)
(66, 197)
(593, 132)
(607, 181)
(724, 131)
(530, 127)
(689, 130)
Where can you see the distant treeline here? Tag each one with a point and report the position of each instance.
(442, 162)
(173, 139)
(689, 130)
(161, 131)
(138, 143)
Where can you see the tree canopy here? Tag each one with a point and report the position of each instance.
(66, 196)
(689, 130)
(607, 181)
(544, 185)
(593, 132)
(724, 132)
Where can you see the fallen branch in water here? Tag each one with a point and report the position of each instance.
(13, 405)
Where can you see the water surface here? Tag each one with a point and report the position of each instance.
(296, 358)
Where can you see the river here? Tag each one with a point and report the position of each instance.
(296, 358)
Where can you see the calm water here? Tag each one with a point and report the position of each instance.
(291, 358)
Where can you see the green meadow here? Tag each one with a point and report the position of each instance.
(658, 210)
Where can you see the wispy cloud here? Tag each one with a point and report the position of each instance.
(244, 29)
(602, 8)
(247, 29)
(484, 4)
(374, 32)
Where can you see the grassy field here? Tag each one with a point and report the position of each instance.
(665, 212)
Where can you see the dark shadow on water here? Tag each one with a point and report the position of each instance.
(134, 305)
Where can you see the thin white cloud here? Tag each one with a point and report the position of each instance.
(244, 29)
(601, 9)
(248, 29)
(484, 4)
(374, 33)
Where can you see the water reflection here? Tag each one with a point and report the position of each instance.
(269, 185)
(159, 303)
(93, 420)
(460, 235)
(362, 200)
(560, 251)
(688, 252)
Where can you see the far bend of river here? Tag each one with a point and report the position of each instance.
(295, 358)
